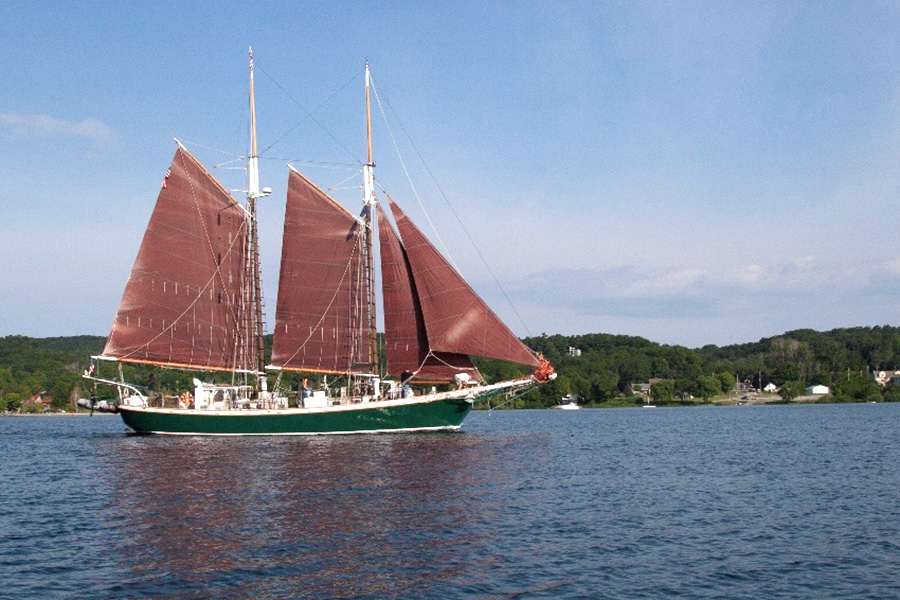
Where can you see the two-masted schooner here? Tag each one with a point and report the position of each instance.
(193, 301)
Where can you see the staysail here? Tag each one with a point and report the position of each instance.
(456, 319)
(322, 317)
(187, 302)
(406, 342)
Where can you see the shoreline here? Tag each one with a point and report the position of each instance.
(57, 414)
(758, 401)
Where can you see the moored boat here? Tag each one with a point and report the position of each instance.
(569, 402)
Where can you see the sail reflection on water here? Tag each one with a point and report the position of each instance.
(313, 517)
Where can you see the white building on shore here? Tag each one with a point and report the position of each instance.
(886, 378)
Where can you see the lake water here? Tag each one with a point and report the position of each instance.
(743, 502)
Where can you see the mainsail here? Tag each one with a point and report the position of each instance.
(406, 342)
(322, 317)
(456, 320)
(188, 299)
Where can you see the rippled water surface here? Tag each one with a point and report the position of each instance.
(744, 502)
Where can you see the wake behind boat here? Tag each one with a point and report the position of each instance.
(193, 302)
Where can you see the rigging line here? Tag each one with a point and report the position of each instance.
(515, 396)
(357, 310)
(453, 210)
(409, 179)
(225, 152)
(311, 163)
(421, 365)
(343, 181)
(455, 368)
(309, 114)
(235, 349)
(240, 351)
(222, 165)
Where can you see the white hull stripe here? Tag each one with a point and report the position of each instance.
(407, 429)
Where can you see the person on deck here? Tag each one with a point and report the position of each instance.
(406, 390)
(151, 389)
(461, 380)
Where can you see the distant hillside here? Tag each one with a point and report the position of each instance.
(606, 370)
(50, 366)
(609, 365)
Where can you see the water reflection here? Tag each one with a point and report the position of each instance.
(774, 502)
(322, 517)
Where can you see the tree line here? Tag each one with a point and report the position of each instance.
(609, 366)
(606, 372)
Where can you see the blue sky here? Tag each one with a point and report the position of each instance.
(689, 172)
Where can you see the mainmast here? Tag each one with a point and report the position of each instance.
(253, 193)
(369, 203)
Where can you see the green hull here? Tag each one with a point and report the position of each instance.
(382, 417)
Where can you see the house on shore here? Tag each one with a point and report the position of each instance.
(644, 389)
(39, 402)
(886, 378)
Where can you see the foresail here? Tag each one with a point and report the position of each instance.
(406, 342)
(456, 319)
(187, 300)
(322, 317)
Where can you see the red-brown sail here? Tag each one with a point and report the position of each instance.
(456, 319)
(405, 340)
(187, 300)
(322, 317)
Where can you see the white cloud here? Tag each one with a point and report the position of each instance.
(893, 266)
(668, 281)
(44, 126)
(715, 304)
(746, 275)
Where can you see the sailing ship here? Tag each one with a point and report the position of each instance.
(193, 301)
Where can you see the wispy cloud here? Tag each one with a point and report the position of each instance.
(44, 126)
(666, 292)
(892, 266)
(716, 304)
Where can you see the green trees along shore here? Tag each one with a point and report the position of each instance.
(601, 369)
(844, 360)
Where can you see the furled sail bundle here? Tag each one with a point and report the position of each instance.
(455, 319)
(187, 302)
(322, 317)
(406, 342)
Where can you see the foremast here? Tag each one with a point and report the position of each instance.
(369, 203)
(254, 193)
